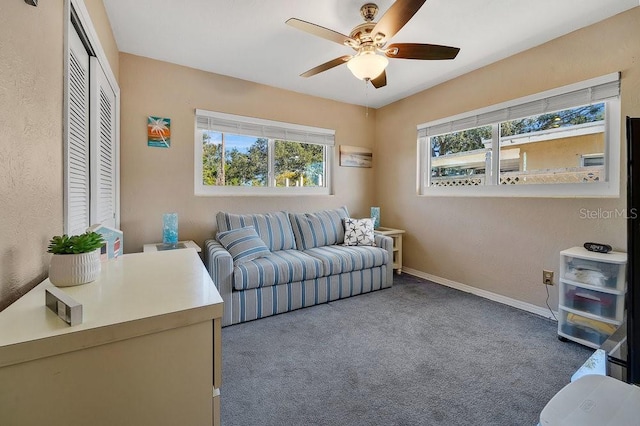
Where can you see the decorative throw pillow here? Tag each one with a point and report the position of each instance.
(243, 244)
(359, 232)
(273, 228)
(323, 228)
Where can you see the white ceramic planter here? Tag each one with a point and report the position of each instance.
(66, 270)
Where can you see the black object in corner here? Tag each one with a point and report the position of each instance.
(633, 250)
(598, 247)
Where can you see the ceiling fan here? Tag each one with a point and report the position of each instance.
(369, 41)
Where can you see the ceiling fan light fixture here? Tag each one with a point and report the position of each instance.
(367, 65)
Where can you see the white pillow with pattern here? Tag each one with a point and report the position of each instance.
(358, 232)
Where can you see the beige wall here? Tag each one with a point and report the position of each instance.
(158, 180)
(499, 245)
(502, 244)
(31, 102)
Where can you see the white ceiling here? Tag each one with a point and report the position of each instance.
(248, 39)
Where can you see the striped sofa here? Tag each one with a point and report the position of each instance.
(306, 264)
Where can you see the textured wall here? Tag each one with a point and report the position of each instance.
(31, 148)
(31, 73)
(502, 244)
(157, 180)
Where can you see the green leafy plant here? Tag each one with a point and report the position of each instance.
(83, 243)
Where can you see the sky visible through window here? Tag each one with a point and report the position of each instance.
(239, 142)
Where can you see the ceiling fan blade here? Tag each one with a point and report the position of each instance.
(380, 81)
(326, 66)
(319, 31)
(395, 18)
(421, 51)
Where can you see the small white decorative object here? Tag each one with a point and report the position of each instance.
(113, 241)
(66, 270)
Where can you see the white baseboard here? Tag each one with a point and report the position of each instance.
(543, 312)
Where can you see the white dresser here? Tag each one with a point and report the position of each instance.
(146, 353)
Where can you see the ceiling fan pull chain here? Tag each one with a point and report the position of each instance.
(366, 97)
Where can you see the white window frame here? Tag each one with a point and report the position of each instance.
(269, 129)
(101, 77)
(610, 187)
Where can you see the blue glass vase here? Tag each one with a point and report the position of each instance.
(170, 228)
(375, 215)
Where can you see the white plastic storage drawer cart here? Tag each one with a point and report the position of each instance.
(592, 295)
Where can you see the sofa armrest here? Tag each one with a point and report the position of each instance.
(219, 264)
(386, 243)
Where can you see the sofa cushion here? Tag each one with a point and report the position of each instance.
(338, 259)
(243, 244)
(273, 228)
(279, 267)
(323, 228)
(359, 232)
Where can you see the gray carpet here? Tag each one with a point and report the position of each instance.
(416, 354)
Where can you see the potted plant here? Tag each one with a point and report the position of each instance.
(75, 260)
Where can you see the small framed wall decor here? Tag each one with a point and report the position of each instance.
(159, 132)
(355, 156)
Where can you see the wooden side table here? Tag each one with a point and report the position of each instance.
(162, 247)
(396, 235)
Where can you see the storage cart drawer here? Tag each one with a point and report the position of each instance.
(591, 272)
(585, 328)
(593, 302)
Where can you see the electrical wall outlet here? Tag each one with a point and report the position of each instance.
(547, 277)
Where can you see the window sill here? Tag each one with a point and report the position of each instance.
(591, 190)
(202, 191)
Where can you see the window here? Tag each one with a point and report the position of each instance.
(592, 160)
(461, 157)
(564, 142)
(91, 136)
(241, 155)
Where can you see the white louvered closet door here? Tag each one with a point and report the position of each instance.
(103, 148)
(77, 146)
